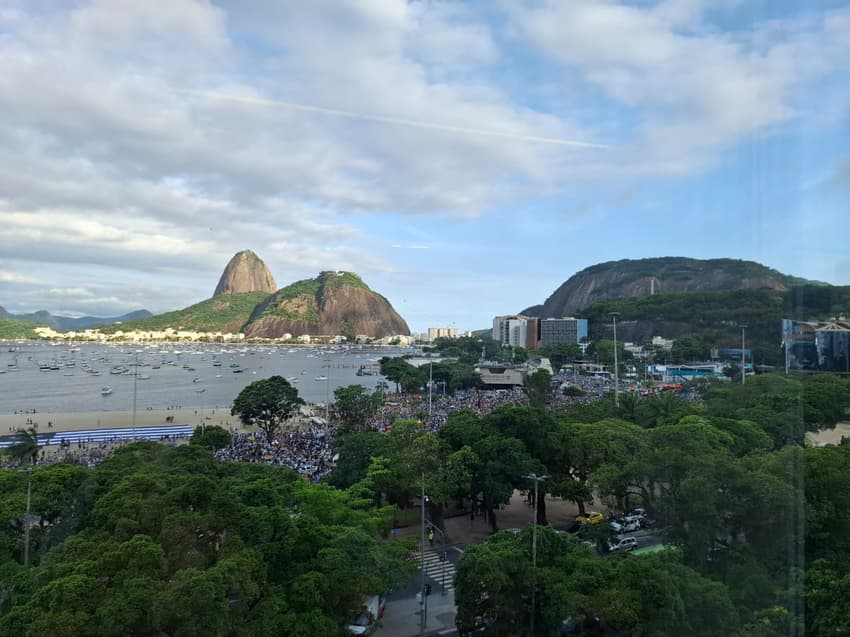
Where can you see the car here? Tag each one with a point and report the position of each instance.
(371, 612)
(591, 517)
(625, 525)
(627, 543)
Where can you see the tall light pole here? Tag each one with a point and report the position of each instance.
(135, 384)
(328, 393)
(743, 354)
(423, 602)
(430, 388)
(537, 479)
(614, 316)
(442, 554)
(27, 520)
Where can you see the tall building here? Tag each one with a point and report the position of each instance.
(516, 330)
(562, 331)
(441, 332)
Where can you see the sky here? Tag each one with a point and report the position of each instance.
(465, 158)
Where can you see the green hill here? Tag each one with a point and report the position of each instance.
(226, 313)
(716, 317)
(332, 303)
(15, 328)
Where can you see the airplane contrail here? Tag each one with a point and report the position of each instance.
(259, 101)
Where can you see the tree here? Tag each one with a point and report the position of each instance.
(538, 388)
(689, 348)
(355, 451)
(267, 404)
(212, 437)
(353, 407)
(402, 373)
(25, 448)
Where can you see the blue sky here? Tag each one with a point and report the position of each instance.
(464, 158)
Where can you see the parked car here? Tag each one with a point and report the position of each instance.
(371, 612)
(591, 517)
(626, 525)
(627, 543)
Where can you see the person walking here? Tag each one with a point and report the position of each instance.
(431, 535)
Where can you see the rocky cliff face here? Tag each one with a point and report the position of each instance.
(643, 277)
(333, 303)
(245, 272)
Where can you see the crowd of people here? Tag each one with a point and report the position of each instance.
(308, 449)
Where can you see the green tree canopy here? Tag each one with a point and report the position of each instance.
(267, 404)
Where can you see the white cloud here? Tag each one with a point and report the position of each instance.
(697, 91)
(112, 155)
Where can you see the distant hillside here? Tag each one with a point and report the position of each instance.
(332, 303)
(17, 328)
(717, 316)
(67, 324)
(226, 313)
(665, 275)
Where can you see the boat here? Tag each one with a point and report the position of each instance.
(238, 371)
(196, 379)
(218, 375)
(105, 391)
(200, 391)
(321, 377)
(144, 376)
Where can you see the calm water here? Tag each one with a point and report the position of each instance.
(168, 374)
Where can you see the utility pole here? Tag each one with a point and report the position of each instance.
(614, 316)
(135, 385)
(328, 394)
(424, 599)
(27, 521)
(442, 554)
(537, 479)
(430, 388)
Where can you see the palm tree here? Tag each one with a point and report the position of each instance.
(25, 447)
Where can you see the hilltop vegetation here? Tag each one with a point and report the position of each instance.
(715, 317)
(635, 278)
(15, 328)
(227, 313)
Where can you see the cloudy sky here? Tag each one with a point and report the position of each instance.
(464, 158)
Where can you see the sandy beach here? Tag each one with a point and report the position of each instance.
(107, 419)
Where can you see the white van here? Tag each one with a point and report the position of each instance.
(371, 612)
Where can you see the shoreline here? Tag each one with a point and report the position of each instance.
(75, 421)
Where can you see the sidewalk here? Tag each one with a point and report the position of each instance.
(401, 617)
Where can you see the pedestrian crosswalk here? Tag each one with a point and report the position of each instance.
(437, 569)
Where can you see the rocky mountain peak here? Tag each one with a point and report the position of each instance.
(245, 272)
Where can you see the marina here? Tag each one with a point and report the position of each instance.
(189, 375)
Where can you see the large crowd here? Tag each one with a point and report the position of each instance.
(308, 449)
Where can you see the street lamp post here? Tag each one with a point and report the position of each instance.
(614, 316)
(27, 520)
(442, 555)
(424, 600)
(328, 393)
(430, 388)
(537, 479)
(743, 354)
(135, 383)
